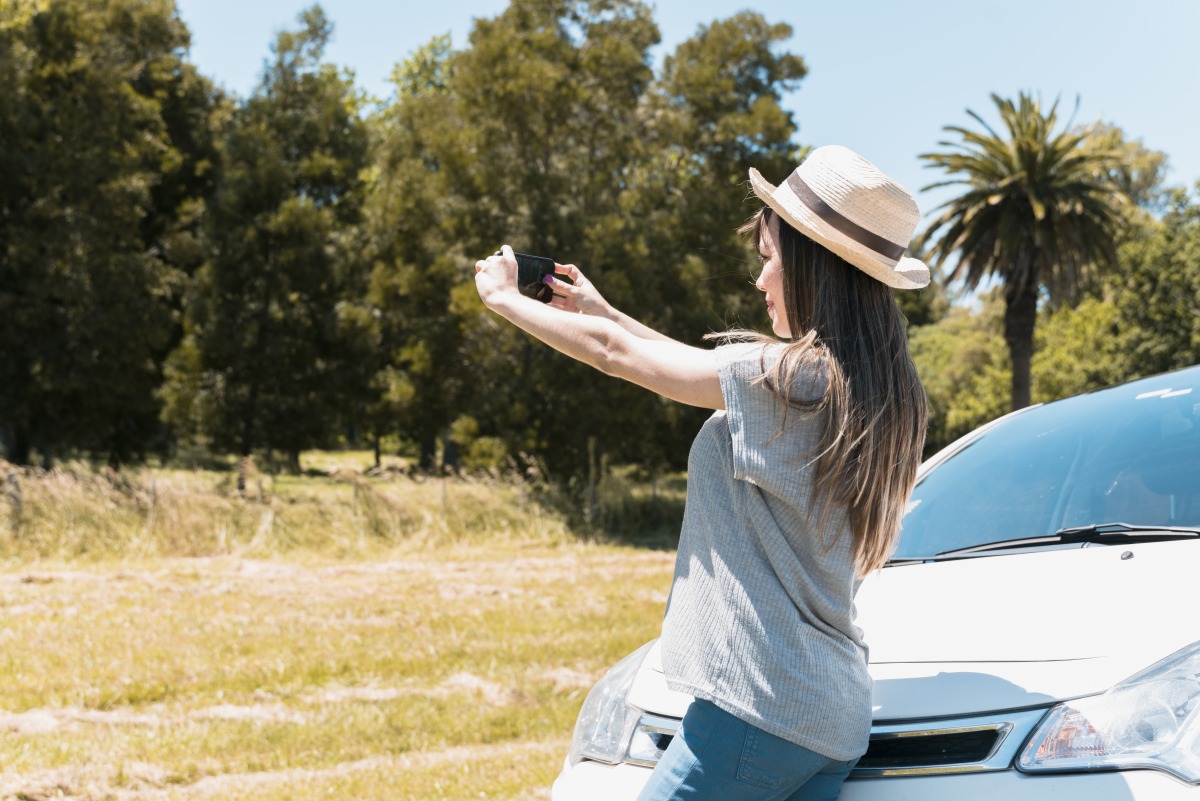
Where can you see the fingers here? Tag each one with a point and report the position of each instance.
(496, 275)
(505, 252)
(570, 271)
(561, 288)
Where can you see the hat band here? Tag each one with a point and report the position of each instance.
(884, 247)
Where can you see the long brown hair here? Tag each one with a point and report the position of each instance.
(847, 324)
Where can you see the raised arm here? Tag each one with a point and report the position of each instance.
(582, 296)
(670, 368)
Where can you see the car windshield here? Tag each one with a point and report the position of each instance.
(1130, 454)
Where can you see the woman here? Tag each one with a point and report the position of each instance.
(796, 485)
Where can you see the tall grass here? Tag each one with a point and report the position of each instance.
(334, 508)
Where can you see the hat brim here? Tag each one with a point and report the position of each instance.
(905, 273)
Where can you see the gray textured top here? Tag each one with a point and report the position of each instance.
(760, 619)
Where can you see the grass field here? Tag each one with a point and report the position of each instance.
(431, 649)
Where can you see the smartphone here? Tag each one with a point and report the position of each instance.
(531, 274)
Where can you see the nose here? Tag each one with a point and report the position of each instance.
(758, 282)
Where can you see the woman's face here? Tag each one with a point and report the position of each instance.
(770, 280)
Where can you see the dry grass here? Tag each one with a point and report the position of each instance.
(75, 512)
(344, 636)
(239, 678)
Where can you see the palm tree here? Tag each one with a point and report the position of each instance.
(1038, 213)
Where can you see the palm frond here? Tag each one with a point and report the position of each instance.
(1034, 205)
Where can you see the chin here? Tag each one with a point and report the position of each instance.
(778, 325)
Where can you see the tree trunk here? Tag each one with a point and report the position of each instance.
(378, 460)
(428, 458)
(17, 446)
(247, 444)
(450, 451)
(1020, 317)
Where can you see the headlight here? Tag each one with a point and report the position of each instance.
(1151, 720)
(607, 725)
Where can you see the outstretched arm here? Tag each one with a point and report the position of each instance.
(582, 296)
(672, 369)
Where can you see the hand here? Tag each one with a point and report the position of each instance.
(496, 275)
(583, 297)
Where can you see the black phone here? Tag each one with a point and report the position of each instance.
(531, 274)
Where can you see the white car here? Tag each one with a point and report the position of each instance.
(1036, 635)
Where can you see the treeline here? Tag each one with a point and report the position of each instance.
(1141, 317)
(280, 272)
(292, 270)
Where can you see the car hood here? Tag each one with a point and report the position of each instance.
(1012, 630)
(1008, 631)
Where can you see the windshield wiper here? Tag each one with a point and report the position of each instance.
(1102, 533)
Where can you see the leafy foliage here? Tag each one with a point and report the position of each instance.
(1140, 321)
(1037, 211)
(265, 356)
(106, 160)
(1156, 294)
(293, 268)
(551, 132)
(962, 364)
(1063, 337)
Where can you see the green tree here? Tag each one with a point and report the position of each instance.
(414, 377)
(963, 366)
(522, 137)
(669, 254)
(1134, 169)
(105, 160)
(963, 363)
(1156, 292)
(1127, 334)
(1094, 327)
(717, 112)
(1037, 213)
(552, 91)
(551, 132)
(267, 359)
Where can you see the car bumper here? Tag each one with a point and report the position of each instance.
(593, 781)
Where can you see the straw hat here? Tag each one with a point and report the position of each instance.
(842, 201)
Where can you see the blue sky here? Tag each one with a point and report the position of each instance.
(884, 77)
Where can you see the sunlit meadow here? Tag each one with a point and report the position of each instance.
(331, 634)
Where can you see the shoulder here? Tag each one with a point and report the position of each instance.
(773, 434)
(745, 359)
(796, 370)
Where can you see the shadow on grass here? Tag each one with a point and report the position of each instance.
(623, 510)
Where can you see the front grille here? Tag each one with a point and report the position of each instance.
(960, 745)
(917, 748)
(925, 749)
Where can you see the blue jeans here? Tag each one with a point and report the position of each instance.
(719, 757)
